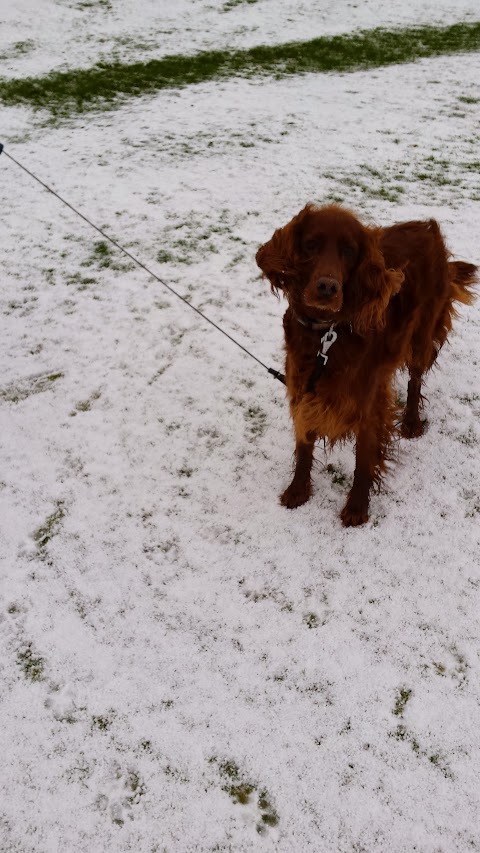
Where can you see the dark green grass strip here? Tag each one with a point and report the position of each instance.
(68, 91)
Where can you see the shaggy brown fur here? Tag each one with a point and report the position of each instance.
(390, 293)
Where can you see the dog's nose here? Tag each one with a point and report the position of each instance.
(327, 287)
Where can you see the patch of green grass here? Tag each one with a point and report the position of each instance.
(32, 665)
(64, 92)
(401, 734)
(102, 722)
(401, 701)
(269, 816)
(165, 257)
(185, 471)
(80, 281)
(231, 4)
(339, 478)
(85, 405)
(193, 239)
(36, 385)
(461, 666)
(94, 4)
(311, 620)
(242, 791)
(102, 256)
(229, 769)
(174, 773)
(20, 48)
(475, 509)
(237, 259)
(256, 420)
(45, 533)
(102, 253)
(466, 99)
(468, 438)
(431, 176)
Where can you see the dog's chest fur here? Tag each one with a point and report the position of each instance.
(344, 388)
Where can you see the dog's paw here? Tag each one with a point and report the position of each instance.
(354, 513)
(296, 495)
(413, 427)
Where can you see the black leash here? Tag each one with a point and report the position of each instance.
(270, 370)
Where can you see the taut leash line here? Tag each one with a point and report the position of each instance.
(139, 263)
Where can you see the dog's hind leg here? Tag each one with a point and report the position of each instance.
(412, 424)
(435, 324)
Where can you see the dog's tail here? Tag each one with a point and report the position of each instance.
(463, 278)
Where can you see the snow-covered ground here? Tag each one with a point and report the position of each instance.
(187, 666)
(38, 36)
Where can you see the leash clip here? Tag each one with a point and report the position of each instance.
(326, 341)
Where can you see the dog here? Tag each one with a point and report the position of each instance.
(363, 303)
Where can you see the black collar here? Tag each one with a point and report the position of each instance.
(313, 324)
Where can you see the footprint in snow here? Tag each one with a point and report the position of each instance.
(61, 701)
(122, 793)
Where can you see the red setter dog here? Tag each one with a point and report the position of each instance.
(363, 303)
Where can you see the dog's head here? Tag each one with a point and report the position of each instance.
(330, 268)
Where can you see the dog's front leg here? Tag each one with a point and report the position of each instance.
(355, 511)
(300, 488)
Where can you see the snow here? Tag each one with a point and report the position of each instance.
(78, 34)
(169, 632)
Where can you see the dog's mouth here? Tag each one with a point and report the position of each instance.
(324, 310)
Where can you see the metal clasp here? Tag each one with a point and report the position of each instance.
(326, 341)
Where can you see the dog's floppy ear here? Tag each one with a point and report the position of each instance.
(373, 285)
(278, 258)
(275, 258)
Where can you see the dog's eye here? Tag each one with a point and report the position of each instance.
(348, 252)
(310, 246)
